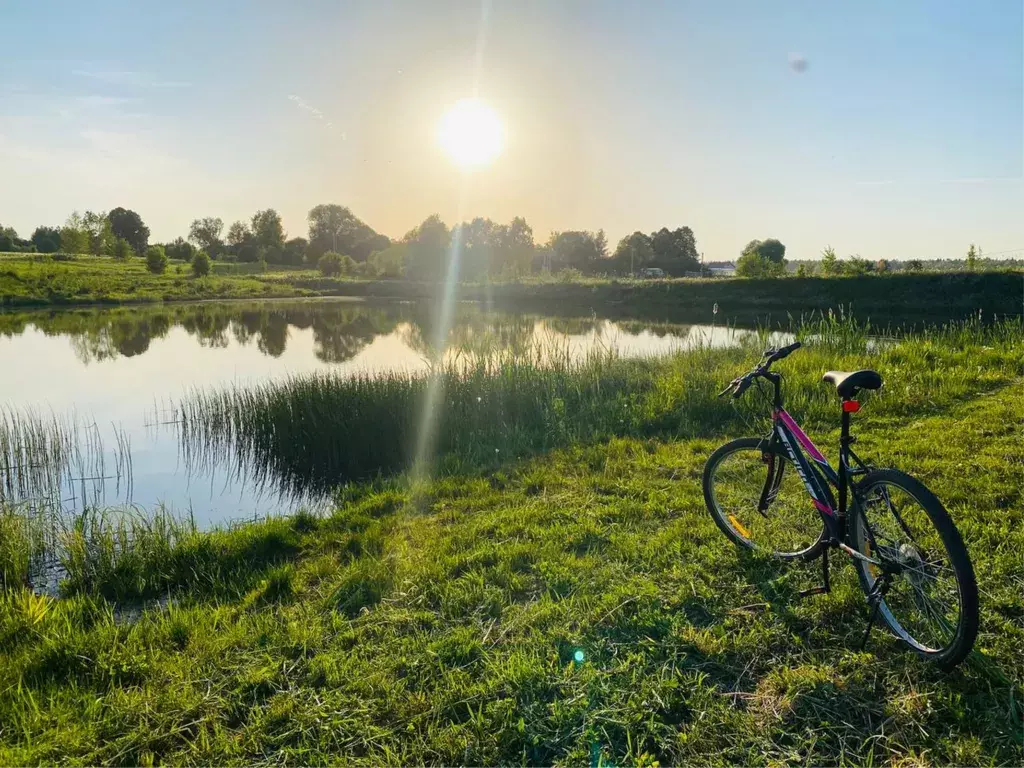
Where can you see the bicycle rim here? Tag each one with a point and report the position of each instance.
(924, 602)
(780, 520)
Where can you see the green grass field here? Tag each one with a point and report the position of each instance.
(900, 299)
(37, 280)
(570, 604)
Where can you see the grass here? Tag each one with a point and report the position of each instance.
(572, 605)
(313, 432)
(897, 299)
(37, 280)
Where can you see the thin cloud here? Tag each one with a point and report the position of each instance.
(920, 182)
(104, 101)
(129, 77)
(305, 106)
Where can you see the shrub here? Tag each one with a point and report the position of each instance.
(201, 264)
(180, 249)
(332, 264)
(122, 249)
(753, 264)
(156, 259)
(388, 263)
(568, 275)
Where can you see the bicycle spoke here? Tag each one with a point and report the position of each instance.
(925, 602)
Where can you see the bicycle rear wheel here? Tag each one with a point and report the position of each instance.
(931, 601)
(757, 498)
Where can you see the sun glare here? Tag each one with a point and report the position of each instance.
(471, 134)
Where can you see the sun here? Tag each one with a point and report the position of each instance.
(471, 134)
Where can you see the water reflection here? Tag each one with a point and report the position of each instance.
(121, 366)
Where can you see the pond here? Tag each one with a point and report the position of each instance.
(111, 377)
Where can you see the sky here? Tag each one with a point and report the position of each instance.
(903, 137)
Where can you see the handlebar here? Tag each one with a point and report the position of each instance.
(740, 384)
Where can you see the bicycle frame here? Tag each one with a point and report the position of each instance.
(818, 476)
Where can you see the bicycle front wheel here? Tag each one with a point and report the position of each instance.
(757, 498)
(931, 598)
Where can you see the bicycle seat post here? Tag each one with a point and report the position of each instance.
(849, 406)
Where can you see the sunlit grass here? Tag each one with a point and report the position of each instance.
(312, 433)
(556, 594)
(446, 623)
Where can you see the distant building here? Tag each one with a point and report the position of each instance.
(721, 269)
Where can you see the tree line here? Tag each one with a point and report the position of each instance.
(341, 243)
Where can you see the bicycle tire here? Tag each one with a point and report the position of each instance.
(966, 631)
(721, 518)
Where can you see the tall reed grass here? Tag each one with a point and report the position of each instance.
(42, 458)
(311, 433)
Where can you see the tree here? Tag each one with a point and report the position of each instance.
(804, 269)
(882, 265)
(238, 233)
(577, 250)
(295, 251)
(267, 229)
(46, 239)
(859, 266)
(128, 225)
(206, 234)
(972, 258)
(241, 242)
(762, 258)
(332, 264)
(74, 237)
(101, 236)
(476, 241)
(514, 247)
(180, 249)
(753, 264)
(675, 251)
(633, 253)
(428, 250)
(121, 249)
(830, 265)
(770, 249)
(391, 262)
(201, 264)
(8, 239)
(335, 228)
(914, 265)
(156, 259)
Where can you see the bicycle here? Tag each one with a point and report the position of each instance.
(910, 558)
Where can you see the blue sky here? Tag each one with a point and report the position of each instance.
(904, 137)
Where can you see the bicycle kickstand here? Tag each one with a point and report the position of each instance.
(826, 585)
(875, 598)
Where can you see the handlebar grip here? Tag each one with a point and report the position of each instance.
(742, 387)
(786, 351)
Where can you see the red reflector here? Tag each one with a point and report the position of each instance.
(851, 406)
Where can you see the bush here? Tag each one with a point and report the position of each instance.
(389, 263)
(569, 275)
(156, 259)
(181, 249)
(332, 264)
(753, 264)
(122, 249)
(201, 264)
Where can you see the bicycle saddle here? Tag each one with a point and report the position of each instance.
(847, 384)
